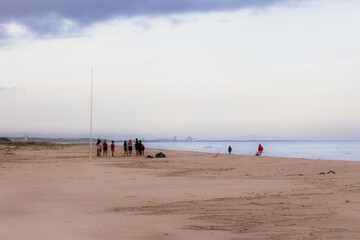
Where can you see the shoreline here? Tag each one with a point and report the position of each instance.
(346, 151)
(326, 153)
(245, 155)
(54, 192)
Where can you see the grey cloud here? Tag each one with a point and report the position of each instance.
(143, 24)
(46, 17)
(3, 33)
(3, 89)
(7, 89)
(176, 21)
(224, 20)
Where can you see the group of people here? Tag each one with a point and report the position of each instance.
(128, 147)
(258, 153)
(139, 148)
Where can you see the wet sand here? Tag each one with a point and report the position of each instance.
(54, 192)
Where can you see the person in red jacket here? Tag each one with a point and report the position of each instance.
(260, 150)
(105, 148)
(112, 148)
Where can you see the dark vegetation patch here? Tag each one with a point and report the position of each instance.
(25, 144)
(4, 139)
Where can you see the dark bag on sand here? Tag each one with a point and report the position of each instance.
(160, 155)
(149, 156)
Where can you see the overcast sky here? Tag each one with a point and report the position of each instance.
(251, 69)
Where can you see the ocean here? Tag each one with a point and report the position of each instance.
(330, 150)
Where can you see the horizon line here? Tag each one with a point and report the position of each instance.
(194, 140)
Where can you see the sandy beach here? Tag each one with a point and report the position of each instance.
(52, 191)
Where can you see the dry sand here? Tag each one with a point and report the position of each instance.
(53, 192)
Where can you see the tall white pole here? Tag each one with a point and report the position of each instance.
(91, 103)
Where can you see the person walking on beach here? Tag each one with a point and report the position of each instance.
(112, 148)
(125, 148)
(98, 148)
(229, 149)
(137, 146)
(260, 150)
(130, 147)
(105, 148)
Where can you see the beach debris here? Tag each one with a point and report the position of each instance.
(347, 201)
(323, 173)
(149, 156)
(160, 155)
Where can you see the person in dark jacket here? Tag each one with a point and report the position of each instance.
(137, 146)
(125, 148)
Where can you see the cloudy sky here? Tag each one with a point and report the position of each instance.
(231, 69)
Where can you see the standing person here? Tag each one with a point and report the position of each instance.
(112, 148)
(130, 147)
(260, 150)
(142, 148)
(125, 148)
(105, 148)
(137, 146)
(229, 149)
(98, 148)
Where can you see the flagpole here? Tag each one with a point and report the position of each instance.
(91, 107)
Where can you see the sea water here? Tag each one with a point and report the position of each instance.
(330, 150)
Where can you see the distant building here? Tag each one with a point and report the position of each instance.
(26, 137)
(189, 139)
(175, 139)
